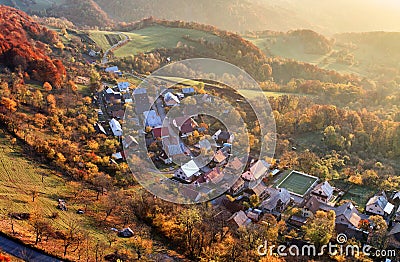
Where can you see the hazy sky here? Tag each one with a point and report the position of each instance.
(346, 15)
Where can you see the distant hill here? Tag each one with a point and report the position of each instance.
(374, 54)
(233, 15)
(24, 44)
(80, 13)
(327, 17)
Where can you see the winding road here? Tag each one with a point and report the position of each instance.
(23, 252)
(126, 39)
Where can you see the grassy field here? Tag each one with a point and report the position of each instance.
(149, 38)
(356, 193)
(372, 52)
(19, 177)
(297, 183)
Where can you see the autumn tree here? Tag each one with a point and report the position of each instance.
(9, 104)
(39, 225)
(378, 231)
(321, 228)
(47, 86)
(188, 220)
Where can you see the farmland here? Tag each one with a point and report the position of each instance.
(150, 38)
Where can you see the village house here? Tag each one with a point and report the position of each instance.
(257, 171)
(220, 157)
(171, 99)
(123, 86)
(142, 102)
(347, 214)
(397, 215)
(188, 91)
(239, 219)
(254, 214)
(115, 127)
(395, 198)
(129, 141)
(379, 205)
(234, 165)
(222, 137)
(258, 189)
(93, 53)
(118, 156)
(188, 171)
(393, 236)
(172, 147)
(312, 205)
(112, 96)
(160, 132)
(276, 200)
(126, 233)
(215, 176)
(111, 69)
(165, 158)
(152, 119)
(184, 124)
(114, 70)
(237, 187)
(323, 192)
(190, 193)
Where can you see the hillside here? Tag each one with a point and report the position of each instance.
(26, 45)
(373, 54)
(154, 40)
(83, 13)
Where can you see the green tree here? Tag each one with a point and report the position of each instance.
(320, 228)
(378, 231)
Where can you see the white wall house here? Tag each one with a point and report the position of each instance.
(188, 171)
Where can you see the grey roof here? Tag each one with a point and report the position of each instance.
(239, 183)
(259, 169)
(379, 200)
(240, 218)
(174, 150)
(142, 103)
(349, 211)
(313, 204)
(395, 230)
(188, 90)
(275, 195)
(259, 189)
(324, 188)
